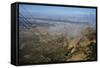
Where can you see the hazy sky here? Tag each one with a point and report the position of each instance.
(88, 14)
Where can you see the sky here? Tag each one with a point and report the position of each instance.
(74, 13)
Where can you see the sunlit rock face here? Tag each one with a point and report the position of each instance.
(61, 42)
